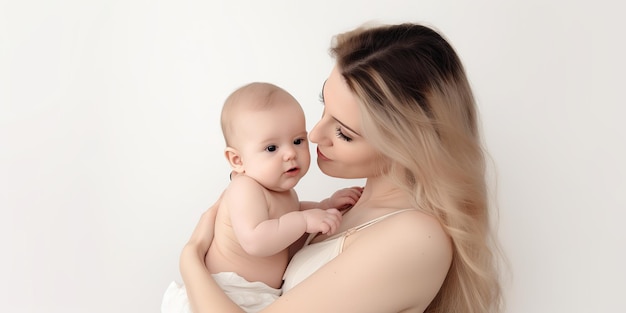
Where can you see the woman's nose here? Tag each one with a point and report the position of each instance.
(315, 135)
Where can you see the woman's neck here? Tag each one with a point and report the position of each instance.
(381, 192)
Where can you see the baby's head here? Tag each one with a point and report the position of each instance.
(265, 133)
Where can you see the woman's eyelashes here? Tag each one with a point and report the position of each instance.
(341, 135)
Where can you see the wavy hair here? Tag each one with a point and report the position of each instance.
(418, 110)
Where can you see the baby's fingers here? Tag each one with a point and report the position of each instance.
(355, 192)
(333, 220)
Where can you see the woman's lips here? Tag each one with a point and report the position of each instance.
(320, 155)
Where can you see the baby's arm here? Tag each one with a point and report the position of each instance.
(341, 199)
(261, 236)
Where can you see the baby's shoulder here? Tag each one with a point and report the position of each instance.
(244, 191)
(243, 184)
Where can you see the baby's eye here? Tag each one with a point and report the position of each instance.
(271, 148)
(298, 141)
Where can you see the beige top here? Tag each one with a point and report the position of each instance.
(315, 255)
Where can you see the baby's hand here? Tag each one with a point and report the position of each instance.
(344, 198)
(322, 221)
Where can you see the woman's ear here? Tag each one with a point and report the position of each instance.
(234, 159)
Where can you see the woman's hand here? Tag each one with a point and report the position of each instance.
(203, 233)
(201, 237)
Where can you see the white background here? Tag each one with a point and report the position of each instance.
(110, 147)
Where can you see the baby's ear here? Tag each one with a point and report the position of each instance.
(234, 159)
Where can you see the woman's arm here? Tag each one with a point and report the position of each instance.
(394, 266)
(203, 292)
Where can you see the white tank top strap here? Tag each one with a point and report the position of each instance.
(374, 221)
(359, 227)
(366, 225)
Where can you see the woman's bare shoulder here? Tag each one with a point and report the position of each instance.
(416, 253)
(410, 227)
(395, 265)
(411, 233)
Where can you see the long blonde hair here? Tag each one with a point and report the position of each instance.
(419, 111)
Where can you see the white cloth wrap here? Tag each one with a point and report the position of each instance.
(250, 296)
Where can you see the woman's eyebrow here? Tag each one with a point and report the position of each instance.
(346, 126)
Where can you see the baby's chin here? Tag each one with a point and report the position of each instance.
(285, 185)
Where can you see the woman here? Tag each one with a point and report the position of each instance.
(399, 112)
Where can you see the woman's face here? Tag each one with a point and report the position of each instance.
(341, 150)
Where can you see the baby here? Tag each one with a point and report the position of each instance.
(259, 215)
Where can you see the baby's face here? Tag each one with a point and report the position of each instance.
(273, 146)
